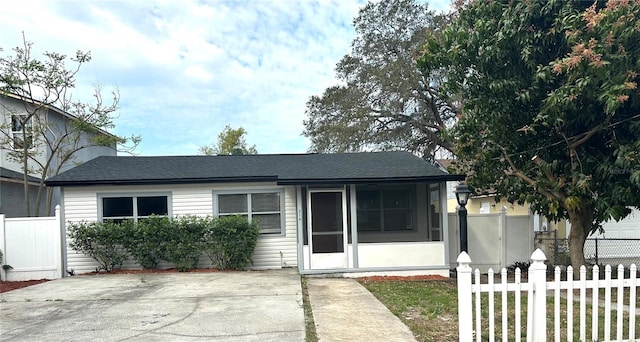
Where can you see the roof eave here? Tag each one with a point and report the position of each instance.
(304, 181)
(247, 179)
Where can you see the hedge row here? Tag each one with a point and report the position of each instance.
(229, 241)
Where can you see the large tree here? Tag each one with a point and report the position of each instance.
(551, 109)
(231, 141)
(383, 101)
(43, 147)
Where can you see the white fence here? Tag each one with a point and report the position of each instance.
(32, 247)
(536, 290)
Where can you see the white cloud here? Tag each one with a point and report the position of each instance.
(185, 69)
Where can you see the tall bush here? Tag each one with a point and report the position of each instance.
(183, 246)
(145, 240)
(100, 240)
(230, 241)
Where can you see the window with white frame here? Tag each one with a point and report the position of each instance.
(386, 208)
(21, 132)
(263, 207)
(119, 208)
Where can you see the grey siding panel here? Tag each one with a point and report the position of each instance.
(80, 204)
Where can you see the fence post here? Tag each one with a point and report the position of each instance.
(465, 318)
(597, 263)
(538, 278)
(503, 237)
(3, 274)
(59, 257)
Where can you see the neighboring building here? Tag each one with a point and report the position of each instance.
(342, 213)
(12, 198)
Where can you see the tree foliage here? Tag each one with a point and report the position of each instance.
(383, 101)
(551, 111)
(230, 142)
(48, 146)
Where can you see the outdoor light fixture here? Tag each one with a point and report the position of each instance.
(462, 196)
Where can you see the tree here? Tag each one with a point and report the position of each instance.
(551, 112)
(383, 102)
(230, 142)
(44, 147)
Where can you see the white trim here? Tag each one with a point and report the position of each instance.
(341, 259)
(353, 207)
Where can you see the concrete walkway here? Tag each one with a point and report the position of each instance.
(343, 310)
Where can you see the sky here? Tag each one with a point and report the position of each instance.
(186, 69)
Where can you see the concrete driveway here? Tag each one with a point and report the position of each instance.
(223, 306)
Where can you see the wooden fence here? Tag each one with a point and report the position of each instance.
(32, 247)
(537, 290)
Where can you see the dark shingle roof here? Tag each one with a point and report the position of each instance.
(9, 174)
(282, 168)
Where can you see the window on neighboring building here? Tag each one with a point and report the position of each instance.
(120, 208)
(386, 209)
(21, 133)
(263, 207)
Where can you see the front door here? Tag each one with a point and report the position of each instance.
(327, 222)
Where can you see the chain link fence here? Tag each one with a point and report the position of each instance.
(597, 251)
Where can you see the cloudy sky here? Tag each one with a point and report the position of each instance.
(185, 69)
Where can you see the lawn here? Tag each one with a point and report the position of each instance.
(430, 310)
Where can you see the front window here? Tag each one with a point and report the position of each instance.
(263, 207)
(389, 209)
(21, 132)
(120, 208)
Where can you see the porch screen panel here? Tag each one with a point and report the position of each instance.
(326, 222)
(386, 208)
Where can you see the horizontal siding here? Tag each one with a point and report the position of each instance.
(80, 204)
(193, 201)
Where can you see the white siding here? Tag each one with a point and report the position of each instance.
(80, 203)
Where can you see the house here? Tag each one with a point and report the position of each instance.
(348, 213)
(12, 195)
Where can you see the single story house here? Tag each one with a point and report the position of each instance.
(348, 213)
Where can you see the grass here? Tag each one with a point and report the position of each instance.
(430, 310)
(310, 325)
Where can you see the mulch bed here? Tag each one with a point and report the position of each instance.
(12, 285)
(168, 270)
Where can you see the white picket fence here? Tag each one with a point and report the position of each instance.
(32, 247)
(537, 289)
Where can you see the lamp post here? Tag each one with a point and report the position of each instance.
(462, 196)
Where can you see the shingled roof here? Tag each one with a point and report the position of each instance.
(338, 168)
(9, 174)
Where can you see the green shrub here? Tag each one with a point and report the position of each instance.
(230, 241)
(145, 240)
(100, 240)
(183, 246)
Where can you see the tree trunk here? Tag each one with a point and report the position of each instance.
(581, 220)
(25, 183)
